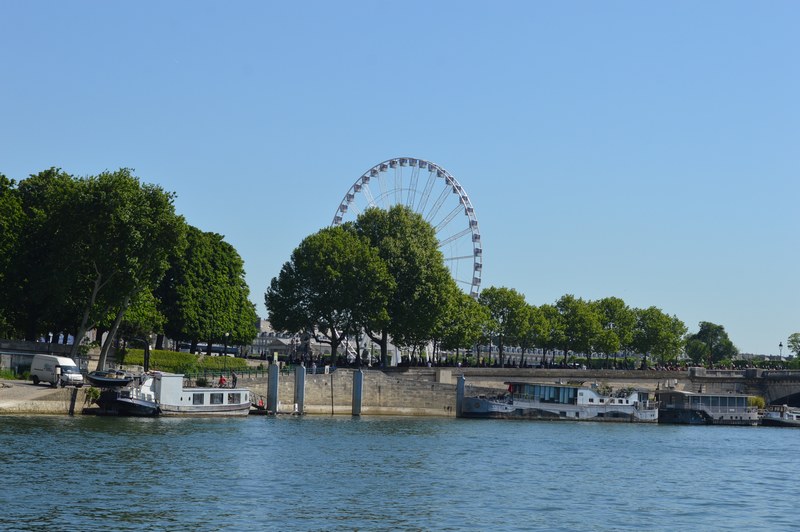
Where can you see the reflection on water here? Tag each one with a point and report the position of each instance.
(329, 473)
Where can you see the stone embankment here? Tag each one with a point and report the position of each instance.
(21, 397)
(397, 391)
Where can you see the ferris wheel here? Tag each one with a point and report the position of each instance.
(428, 189)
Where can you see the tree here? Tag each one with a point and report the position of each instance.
(463, 324)
(11, 219)
(40, 279)
(658, 334)
(582, 324)
(617, 321)
(793, 344)
(538, 331)
(556, 333)
(508, 313)
(204, 294)
(422, 283)
(334, 283)
(719, 346)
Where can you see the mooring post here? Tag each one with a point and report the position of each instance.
(272, 388)
(460, 394)
(73, 398)
(299, 389)
(358, 386)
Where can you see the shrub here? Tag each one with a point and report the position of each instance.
(179, 362)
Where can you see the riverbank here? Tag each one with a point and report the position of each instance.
(24, 397)
(400, 391)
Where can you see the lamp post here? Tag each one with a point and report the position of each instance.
(225, 352)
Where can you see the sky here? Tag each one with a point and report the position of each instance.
(643, 150)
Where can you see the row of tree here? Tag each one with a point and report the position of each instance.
(109, 252)
(383, 275)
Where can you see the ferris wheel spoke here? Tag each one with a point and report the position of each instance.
(455, 237)
(412, 188)
(438, 204)
(463, 257)
(427, 192)
(398, 185)
(368, 195)
(449, 218)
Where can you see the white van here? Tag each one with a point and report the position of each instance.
(58, 371)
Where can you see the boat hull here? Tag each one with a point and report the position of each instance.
(482, 408)
(689, 416)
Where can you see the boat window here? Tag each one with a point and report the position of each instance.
(197, 399)
(234, 398)
(216, 399)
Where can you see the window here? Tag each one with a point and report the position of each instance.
(197, 399)
(234, 398)
(216, 399)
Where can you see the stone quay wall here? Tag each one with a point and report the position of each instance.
(382, 394)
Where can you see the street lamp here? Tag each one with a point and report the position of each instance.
(225, 351)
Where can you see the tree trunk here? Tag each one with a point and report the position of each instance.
(160, 341)
(112, 333)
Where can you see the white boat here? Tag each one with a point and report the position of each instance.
(570, 401)
(163, 394)
(780, 416)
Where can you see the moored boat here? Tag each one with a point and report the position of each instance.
(570, 401)
(780, 416)
(690, 408)
(162, 393)
(109, 378)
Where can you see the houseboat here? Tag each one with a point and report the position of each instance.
(689, 408)
(159, 393)
(780, 416)
(570, 401)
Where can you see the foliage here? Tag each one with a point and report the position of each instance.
(463, 323)
(508, 315)
(335, 283)
(714, 337)
(793, 344)
(582, 324)
(756, 401)
(178, 362)
(204, 294)
(658, 334)
(423, 286)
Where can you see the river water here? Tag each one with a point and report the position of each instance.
(391, 473)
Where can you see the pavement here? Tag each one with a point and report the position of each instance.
(24, 397)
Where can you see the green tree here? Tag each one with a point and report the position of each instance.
(39, 283)
(555, 336)
(793, 344)
(617, 321)
(508, 313)
(582, 325)
(204, 294)
(538, 331)
(11, 219)
(658, 334)
(422, 283)
(463, 324)
(334, 283)
(716, 339)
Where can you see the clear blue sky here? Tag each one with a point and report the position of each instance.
(643, 150)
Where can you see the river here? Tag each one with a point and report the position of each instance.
(391, 473)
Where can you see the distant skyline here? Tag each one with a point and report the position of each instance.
(638, 150)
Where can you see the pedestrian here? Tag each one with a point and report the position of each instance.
(223, 382)
(234, 379)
